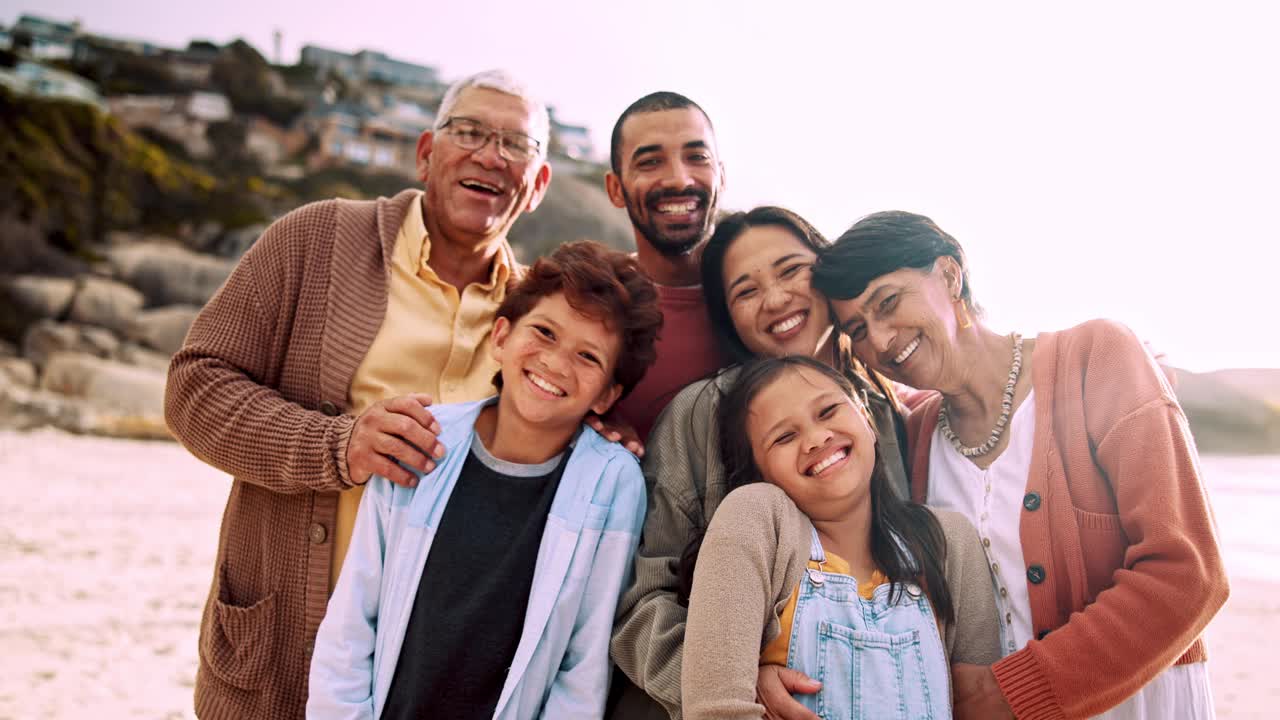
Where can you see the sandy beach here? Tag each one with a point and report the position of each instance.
(106, 549)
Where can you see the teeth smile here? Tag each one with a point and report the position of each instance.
(788, 324)
(831, 459)
(545, 385)
(678, 208)
(478, 185)
(906, 352)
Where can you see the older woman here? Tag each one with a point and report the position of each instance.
(1071, 456)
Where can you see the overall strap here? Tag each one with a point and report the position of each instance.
(816, 553)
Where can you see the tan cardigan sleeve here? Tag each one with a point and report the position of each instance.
(974, 635)
(752, 557)
(217, 399)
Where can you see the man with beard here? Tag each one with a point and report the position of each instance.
(667, 174)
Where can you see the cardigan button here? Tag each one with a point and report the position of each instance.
(317, 533)
(1040, 635)
(328, 408)
(1036, 574)
(1031, 501)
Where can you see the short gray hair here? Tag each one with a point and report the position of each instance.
(503, 82)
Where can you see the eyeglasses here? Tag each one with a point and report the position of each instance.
(471, 134)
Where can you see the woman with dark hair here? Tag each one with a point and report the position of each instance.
(1070, 454)
(756, 278)
(814, 562)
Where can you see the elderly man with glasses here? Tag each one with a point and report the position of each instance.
(308, 372)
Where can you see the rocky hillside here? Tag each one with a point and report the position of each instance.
(113, 241)
(1233, 411)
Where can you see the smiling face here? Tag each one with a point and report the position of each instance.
(557, 364)
(476, 195)
(809, 438)
(669, 178)
(904, 325)
(766, 278)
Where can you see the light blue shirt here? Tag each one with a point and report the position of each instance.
(561, 666)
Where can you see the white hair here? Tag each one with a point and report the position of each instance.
(503, 82)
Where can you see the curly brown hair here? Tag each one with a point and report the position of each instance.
(603, 284)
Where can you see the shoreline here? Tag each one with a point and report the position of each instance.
(107, 550)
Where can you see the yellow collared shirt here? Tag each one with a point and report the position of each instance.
(431, 340)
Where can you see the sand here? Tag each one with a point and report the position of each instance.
(106, 552)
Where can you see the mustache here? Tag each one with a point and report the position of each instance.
(658, 196)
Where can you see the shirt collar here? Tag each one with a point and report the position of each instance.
(504, 262)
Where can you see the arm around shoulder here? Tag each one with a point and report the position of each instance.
(751, 558)
(217, 402)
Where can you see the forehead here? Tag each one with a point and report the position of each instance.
(667, 128)
(759, 247)
(494, 108)
(789, 393)
(855, 307)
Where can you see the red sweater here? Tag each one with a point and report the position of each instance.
(686, 351)
(1121, 526)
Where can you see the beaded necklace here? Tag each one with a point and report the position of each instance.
(1006, 407)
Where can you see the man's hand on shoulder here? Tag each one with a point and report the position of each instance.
(396, 429)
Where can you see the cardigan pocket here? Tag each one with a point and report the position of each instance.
(239, 644)
(1102, 543)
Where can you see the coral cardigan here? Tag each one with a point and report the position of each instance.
(1123, 565)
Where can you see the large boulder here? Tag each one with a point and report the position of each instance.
(18, 371)
(163, 329)
(132, 353)
(168, 274)
(48, 337)
(234, 243)
(23, 408)
(122, 389)
(106, 303)
(27, 299)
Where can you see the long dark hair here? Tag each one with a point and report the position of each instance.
(924, 556)
(728, 229)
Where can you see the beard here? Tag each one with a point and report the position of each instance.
(677, 243)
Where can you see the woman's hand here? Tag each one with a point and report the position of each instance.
(774, 687)
(977, 695)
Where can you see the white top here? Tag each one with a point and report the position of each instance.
(992, 500)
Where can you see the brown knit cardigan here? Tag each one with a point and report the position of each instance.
(259, 391)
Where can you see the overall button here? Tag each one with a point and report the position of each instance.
(1031, 501)
(317, 534)
(815, 577)
(1036, 574)
(328, 408)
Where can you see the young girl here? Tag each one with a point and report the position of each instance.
(821, 568)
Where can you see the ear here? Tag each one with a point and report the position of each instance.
(422, 160)
(952, 275)
(723, 177)
(540, 183)
(501, 332)
(607, 398)
(613, 186)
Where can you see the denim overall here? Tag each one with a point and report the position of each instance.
(874, 660)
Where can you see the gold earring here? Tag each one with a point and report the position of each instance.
(965, 321)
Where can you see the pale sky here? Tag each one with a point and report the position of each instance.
(1113, 159)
